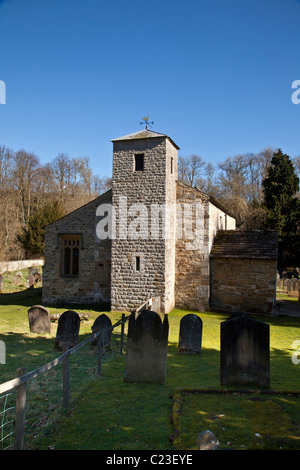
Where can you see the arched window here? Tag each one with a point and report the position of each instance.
(69, 255)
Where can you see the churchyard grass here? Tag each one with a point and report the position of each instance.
(108, 413)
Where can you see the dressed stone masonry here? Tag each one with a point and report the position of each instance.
(150, 236)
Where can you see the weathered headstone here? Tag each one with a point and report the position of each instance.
(147, 344)
(54, 317)
(67, 330)
(1, 283)
(30, 281)
(39, 319)
(293, 287)
(190, 334)
(245, 351)
(103, 322)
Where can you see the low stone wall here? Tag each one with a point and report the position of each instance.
(12, 266)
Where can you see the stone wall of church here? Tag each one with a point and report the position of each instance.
(243, 284)
(192, 285)
(92, 284)
(192, 252)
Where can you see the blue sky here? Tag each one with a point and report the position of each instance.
(215, 75)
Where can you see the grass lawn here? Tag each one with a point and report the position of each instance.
(108, 413)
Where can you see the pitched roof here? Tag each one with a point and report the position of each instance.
(259, 244)
(144, 134)
(103, 197)
(208, 197)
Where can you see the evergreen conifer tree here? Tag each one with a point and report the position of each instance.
(283, 207)
(32, 237)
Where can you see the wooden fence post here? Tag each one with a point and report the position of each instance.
(122, 332)
(20, 412)
(66, 380)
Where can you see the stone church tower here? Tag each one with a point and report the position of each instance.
(144, 198)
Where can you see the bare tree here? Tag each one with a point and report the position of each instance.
(61, 169)
(190, 168)
(85, 173)
(24, 173)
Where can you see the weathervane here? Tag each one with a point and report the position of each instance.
(146, 122)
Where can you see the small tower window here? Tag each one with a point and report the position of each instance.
(137, 263)
(172, 163)
(139, 162)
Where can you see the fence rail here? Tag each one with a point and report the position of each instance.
(24, 377)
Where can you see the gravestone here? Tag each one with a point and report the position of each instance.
(190, 334)
(147, 344)
(103, 322)
(30, 281)
(67, 330)
(1, 283)
(54, 317)
(245, 351)
(293, 287)
(39, 319)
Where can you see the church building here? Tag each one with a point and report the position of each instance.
(152, 236)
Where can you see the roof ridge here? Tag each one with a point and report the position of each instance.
(144, 134)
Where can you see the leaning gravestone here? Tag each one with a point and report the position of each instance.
(103, 322)
(30, 281)
(147, 344)
(67, 330)
(39, 319)
(190, 334)
(245, 351)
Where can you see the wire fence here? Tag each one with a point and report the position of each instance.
(32, 403)
(7, 417)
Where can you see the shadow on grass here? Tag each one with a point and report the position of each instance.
(27, 297)
(30, 297)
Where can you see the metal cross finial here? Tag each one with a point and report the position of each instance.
(146, 121)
